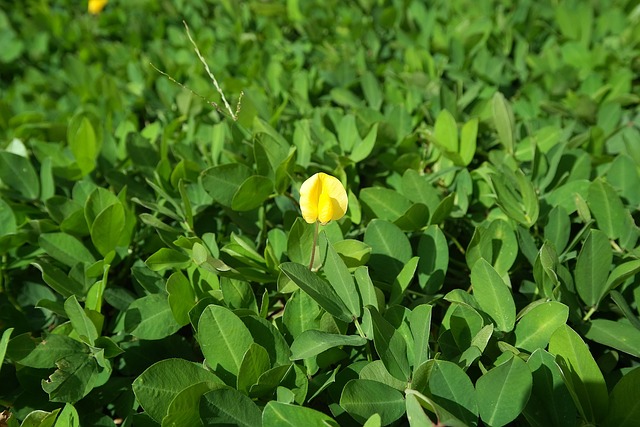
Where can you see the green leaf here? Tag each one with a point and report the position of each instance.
(313, 342)
(252, 193)
(226, 406)
(433, 251)
(581, 373)
(616, 334)
(160, 383)
(17, 173)
(99, 200)
(624, 408)
(372, 90)
(266, 335)
(592, 268)
(81, 323)
(493, 295)
(84, 146)
(376, 371)
(390, 250)
(403, 280)
(443, 209)
(339, 277)
(150, 318)
(238, 294)
(496, 243)
(44, 353)
(535, 327)
(564, 195)
(75, 377)
(68, 417)
(468, 137)
(184, 409)
(365, 287)
(545, 269)
(277, 414)
(416, 188)
(7, 219)
(558, 228)
(167, 258)
(300, 241)
(622, 272)
(363, 148)
(318, 289)
(504, 122)
(445, 132)
(384, 203)
(354, 253)
(416, 217)
(608, 209)
(624, 177)
(420, 323)
(550, 403)
(255, 362)
(447, 385)
(390, 346)
(415, 413)
(181, 298)
(65, 248)
(37, 418)
(373, 421)
(301, 313)
(503, 392)
(4, 341)
(348, 132)
(222, 182)
(269, 381)
(461, 323)
(516, 196)
(624, 307)
(442, 415)
(107, 229)
(363, 398)
(224, 340)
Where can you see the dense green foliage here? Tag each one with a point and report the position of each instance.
(154, 265)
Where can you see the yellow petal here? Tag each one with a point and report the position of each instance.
(323, 198)
(325, 208)
(309, 197)
(96, 6)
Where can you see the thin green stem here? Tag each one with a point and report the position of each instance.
(454, 240)
(359, 328)
(313, 248)
(589, 313)
(363, 335)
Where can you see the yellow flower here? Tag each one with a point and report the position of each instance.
(322, 198)
(96, 6)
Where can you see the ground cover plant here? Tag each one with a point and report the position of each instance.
(156, 267)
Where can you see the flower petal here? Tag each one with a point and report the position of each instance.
(309, 197)
(338, 196)
(325, 208)
(96, 6)
(322, 198)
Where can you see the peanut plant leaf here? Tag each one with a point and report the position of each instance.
(581, 373)
(503, 392)
(224, 340)
(493, 295)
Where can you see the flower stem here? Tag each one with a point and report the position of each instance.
(313, 248)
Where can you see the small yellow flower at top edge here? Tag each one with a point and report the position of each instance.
(96, 6)
(323, 198)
